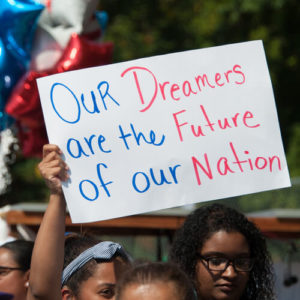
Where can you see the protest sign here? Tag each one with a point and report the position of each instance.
(165, 131)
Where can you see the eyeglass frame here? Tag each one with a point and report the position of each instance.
(9, 269)
(229, 262)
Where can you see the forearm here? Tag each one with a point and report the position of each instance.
(48, 253)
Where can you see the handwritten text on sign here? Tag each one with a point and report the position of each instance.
(166, 131)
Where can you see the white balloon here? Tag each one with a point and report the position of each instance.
(7, 139)
(56, 25)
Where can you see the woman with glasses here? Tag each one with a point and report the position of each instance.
(15, 259)
(224, 254)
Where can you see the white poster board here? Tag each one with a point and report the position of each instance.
(165, 131)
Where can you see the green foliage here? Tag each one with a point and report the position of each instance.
(293, 155)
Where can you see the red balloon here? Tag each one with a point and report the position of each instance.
(32, 140)
(84, 53)
(24, 103)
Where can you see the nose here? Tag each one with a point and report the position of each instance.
(230, 271)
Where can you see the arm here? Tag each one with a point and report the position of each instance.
(48, 253)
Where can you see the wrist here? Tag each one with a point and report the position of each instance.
(57, 197)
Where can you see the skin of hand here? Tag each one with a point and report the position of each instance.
(53, 169)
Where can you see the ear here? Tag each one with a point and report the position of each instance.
(67, 294)
(26, 279)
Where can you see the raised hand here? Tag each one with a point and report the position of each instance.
(53, 169)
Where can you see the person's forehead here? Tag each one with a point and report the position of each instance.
(104, 272)
(228, 242)
(6, 257)
(151, 291)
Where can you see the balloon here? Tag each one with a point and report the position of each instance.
(18, 19)
(102, 18)
(56, 25)
(24, 103)
(83, 53)
(10, 71)
(7, 142)
(67, 17)
(32, 140)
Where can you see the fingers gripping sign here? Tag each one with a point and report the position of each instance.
(53, 169)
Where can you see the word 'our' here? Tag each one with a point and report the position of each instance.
(71, 113)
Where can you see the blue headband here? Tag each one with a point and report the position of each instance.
(104, 251)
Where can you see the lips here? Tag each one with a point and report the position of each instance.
(226, 288)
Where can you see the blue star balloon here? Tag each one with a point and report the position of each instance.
(102, 18)
(18, 20)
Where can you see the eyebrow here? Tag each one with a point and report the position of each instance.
(11, 268)
(106, 284)
(211, 253)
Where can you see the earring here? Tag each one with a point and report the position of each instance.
(27, 284)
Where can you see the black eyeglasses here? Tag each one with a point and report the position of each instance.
(5, 270)
(240, 264)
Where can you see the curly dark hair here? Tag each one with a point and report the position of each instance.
(200, 225)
